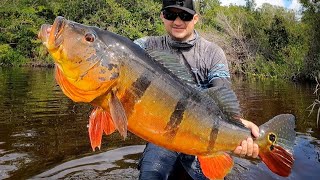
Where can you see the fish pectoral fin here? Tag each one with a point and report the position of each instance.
(99, 121)
(217, 166)
(118, 115)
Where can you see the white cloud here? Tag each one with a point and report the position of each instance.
(258, 2)
(236, 2)
(274, 2)
(295, 5)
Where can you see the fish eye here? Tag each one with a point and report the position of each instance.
(90, 37)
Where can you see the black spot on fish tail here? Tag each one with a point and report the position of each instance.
(272, 137)
(134, 93)
(176, 118)
(213, 136)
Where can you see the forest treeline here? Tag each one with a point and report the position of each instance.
(268, 41)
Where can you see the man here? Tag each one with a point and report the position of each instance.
(209, 67)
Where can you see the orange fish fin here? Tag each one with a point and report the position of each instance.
(278, 160)
(118, 115)
(108, 125)
(217, 166)
(99, 121)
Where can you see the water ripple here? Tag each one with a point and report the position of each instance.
(95, 165)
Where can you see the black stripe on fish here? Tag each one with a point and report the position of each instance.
(176, 118)
(213, 136)
(140, 86)
(135, 92)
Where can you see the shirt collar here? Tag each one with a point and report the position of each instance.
(184, 44)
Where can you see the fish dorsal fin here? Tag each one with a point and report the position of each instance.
(171, 62)
(226, 100)
(216, 166)
(118, 115)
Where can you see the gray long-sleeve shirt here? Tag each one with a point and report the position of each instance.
(204, 59)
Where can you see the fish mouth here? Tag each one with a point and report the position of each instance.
(51, 35)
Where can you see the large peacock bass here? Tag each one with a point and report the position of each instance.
(147, 94)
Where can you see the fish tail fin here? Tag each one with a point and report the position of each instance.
(100, 121)
(216, 166)
(276, 144)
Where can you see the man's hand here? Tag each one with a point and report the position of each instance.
(247, 147)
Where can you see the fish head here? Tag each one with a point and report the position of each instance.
(80, 55)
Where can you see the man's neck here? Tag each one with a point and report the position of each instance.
(186, 39)
(189, 42)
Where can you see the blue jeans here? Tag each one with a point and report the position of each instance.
(157, 163)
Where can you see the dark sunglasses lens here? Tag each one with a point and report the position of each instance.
(185, 16)
(169, 15)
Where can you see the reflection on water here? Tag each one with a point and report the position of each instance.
(40, 127)
(43, 134)
(113, 164)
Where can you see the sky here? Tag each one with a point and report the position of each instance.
(289, 4)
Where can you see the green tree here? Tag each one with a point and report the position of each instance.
(277, 37)
(311, 16)
(21, 20)
(19, 26)
(250, 5)
(264, 41)
(204, 5)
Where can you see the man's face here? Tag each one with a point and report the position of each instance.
(178, 29)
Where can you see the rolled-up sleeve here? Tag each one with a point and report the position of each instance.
(217, 65)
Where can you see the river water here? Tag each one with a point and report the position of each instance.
(43, 134)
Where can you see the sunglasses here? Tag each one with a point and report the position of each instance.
(171, 16)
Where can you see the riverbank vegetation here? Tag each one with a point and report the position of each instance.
(268, 41)
(316, 103)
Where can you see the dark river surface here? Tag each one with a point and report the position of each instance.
(43, 134)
